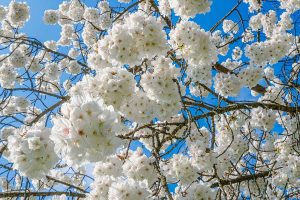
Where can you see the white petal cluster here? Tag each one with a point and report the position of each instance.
(91, 14)
(76, 10)
(237, 53)
(188, 36)
(231, 64)
(255, 22)
(139, 37)
(289, 162)
(105, 19)
(229, 138)
(270, 51)
(197, 191)
(31, 151)
(164, 7)
(266, 23)
(8, 76)
(96, 62)
(18, 13)
(200, 74)
(16, 104)
(128, 189)
(248, 36)
(73, 67)
(7, 131)
(202, 157)
(254, 5)
(115, 85)
(85, 132)
(286, 21)
(159, 98)
(182, 169)
(227, 84)
(263, 119)
(3, 12)
(251, 75)
(189, 8)
(112, 166)
(289, 123)
(114, 181)
(230, 26)
(139, 167)
(124, 1)
(290, 5)
(100, 188)
(140, 108)
(18, 58)
(159, 84)
(51, 17)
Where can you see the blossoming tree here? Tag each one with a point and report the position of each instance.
(138, 101)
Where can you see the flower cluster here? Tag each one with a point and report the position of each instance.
(139, 167)
(189, 8)
(230, 26)
(227, 84)
(270, 51)
(51, 17)
(128, 189)
(160, 86)
(202, 157)
(138, 38)
(138, 69)
(86, 132)
(251, 75)
(18, 13)
(110, 184)
(115, 85)
(188, 36)
(253, 5)
(263, 119)
(196, 191)
(31, 151)
(164, 7)
(182, 168)
(290, 5)
(229, 140)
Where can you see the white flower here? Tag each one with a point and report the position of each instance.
(51, 17)
(31, 151)
(140, 37)
(189, 8)
(188, 36)
(18, 13)
(128, 189)
(86, 133)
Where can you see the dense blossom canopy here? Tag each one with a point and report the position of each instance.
(138, 100)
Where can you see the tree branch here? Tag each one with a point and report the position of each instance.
(36, 194)
(223, 182)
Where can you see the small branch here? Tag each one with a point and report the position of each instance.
(67, 184)
(38, 91)
(223, 182)
(36, 194)
(221, 20)
(247, 106)
(66, 98)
